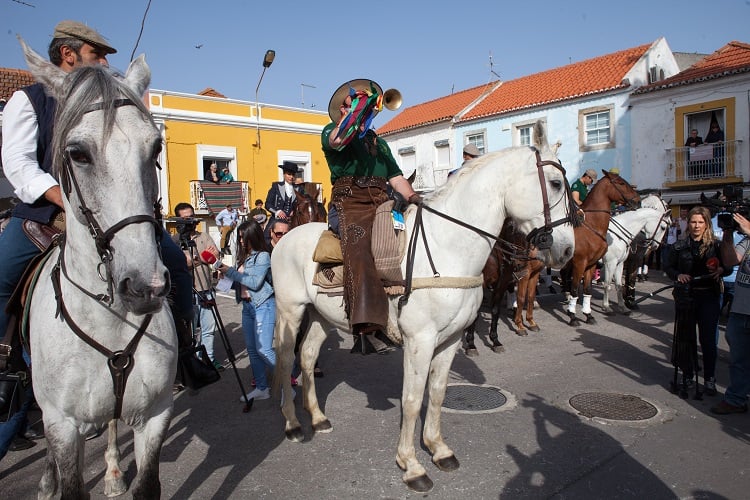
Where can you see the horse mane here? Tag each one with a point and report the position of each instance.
(85, 86)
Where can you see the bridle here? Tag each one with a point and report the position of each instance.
(120, 362)
(540, 237)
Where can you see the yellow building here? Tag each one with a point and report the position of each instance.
(250, 139)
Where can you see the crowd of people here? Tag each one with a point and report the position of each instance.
(363, 174)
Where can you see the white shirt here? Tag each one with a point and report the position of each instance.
(288, 190)
(226, 218)
(20, 164)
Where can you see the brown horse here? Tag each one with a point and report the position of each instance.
(512, 261)
(309, 209)
(591, 239)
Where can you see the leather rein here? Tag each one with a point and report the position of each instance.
(540, 237)
(120, 363)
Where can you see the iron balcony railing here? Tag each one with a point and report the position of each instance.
(705, 162)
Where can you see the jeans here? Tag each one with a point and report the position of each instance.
(16, 424)
(738, 338)
(205, 326)
(258, 323)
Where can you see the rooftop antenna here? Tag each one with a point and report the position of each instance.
(492, 67)
(303, 85)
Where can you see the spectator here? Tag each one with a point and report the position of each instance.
(694, 139)
(226, 176)
(212, 174)
(226, 221)
(259, 213)
(470, 152)
(258, 304)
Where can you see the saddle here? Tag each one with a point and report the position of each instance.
(388, 249)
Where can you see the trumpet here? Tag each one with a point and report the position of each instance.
(392, 99)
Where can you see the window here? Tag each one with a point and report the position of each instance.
(524, 136)
(476, 139)
(595, 130)
(303, 159)
(443, 151)
(221, 155)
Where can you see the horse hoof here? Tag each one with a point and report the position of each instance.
(295, 435)
(421, 484)
(498, 348)
(626, 312)
(115, 487)
(534, 328)
(447, 464)
(590, 320)
(323, 427)
(472, 352)
(574, 321)
(521, 332)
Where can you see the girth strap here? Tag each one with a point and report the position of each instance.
(120, 363)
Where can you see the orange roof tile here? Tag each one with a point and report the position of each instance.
(733, 58)
(592, 76)
(210, 92)
(435, 111)
(12, 80)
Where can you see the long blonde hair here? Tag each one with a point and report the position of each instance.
(708, 238)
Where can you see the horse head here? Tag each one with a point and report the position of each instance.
(105, 148)
(620, 190)
(656, 228)
(308, 209)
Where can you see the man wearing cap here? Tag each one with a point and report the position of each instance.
(580, 188)
(281, 200)
(362, 166)
(470, 152)
(28, 119)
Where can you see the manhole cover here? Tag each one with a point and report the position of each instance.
(613, 406)
(472, 398)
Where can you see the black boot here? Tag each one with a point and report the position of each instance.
(362, 345)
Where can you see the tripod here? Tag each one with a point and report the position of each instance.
(206, 299)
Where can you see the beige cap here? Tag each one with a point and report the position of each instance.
(74, 29)
(471, 150)
(591, 173)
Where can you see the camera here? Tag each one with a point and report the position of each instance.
(729, 203)
(185, 227)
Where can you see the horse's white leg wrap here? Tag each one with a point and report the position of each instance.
(586, 307)
(572, 304)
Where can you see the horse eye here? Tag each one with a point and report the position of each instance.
(78, 155)
(557, 184)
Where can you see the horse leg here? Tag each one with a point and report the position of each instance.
(521, 289)
(309, 352)
(586, 305)
(287, 326)
(114, 483)
(50, 480)
(497, 296)
(417, 359)
(530, 300)
(442, 455)
(148, 438)
(64, 461)
(471, 349)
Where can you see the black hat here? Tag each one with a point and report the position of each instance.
(289, 166)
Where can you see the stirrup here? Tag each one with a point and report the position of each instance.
(362, 345)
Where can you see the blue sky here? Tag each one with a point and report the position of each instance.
(426, 49)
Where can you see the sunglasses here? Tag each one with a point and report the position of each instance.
(279, 234)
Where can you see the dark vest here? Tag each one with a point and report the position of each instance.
(41, 210)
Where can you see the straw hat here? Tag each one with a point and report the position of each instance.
(338, 97)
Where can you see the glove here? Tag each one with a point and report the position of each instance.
(415, 199)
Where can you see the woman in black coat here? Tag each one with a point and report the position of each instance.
(696, 260)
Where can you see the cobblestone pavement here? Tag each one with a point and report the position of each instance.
(535, 446)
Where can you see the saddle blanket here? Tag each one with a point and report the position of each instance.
(388, 249)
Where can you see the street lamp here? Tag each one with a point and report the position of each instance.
(267, 61)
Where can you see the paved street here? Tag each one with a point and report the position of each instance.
(536, 446)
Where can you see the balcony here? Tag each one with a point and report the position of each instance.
(708, 164)
(215, 197)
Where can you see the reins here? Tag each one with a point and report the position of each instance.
(539, 237)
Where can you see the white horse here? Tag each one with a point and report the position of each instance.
(651, 220)
(486, 191)
(110, 327)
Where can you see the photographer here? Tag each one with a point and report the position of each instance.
(738, 324)
(197, 247)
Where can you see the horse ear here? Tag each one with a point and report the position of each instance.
(138, 75)
(44, 71)
(412, 177)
